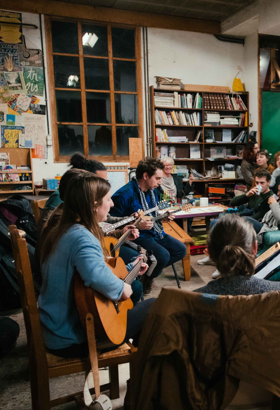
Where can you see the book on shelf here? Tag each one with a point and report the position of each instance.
(209, 136)
(218, 152)
(178, 138)
(195, 152)
(226, 135)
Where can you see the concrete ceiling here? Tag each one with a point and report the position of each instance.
(218, 10)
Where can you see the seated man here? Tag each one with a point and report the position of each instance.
(271, 220)
(256, 204)
(140, 193)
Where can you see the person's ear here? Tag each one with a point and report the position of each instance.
(145, 176)
(255, 248)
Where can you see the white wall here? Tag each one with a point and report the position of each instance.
(196, 58)
(199, 58)
(250, 76)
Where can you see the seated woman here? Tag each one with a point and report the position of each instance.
(76, 243)
(232, 246)
(172, 184)
(275, 176)
(249, 165)
(263, 161)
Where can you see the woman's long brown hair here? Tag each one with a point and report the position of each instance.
(83, 195)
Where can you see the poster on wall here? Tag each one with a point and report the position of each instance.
(30, 57)
(15, 81)
(9, 57)
(35, 131)
(3, 113)
(10, 33)
(34, 80)
(10, 136)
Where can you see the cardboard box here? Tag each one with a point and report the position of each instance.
(207, 88)
(50, 183)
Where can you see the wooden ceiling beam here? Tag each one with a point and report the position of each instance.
(110, 15)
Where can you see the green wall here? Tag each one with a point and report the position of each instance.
(271, 121)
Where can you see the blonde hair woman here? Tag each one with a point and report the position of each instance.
(172, 183)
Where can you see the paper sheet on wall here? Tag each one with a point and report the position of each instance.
(10, 136)
(35, 131)
(3, 113)
(10, 33)
(34, 80)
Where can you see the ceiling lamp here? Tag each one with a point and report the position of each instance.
(89, 39)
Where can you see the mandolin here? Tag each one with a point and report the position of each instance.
(107, 228)
(113, 245)
(110, 317)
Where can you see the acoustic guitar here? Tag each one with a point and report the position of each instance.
(110, 317)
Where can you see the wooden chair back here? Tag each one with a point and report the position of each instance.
(44, 365)
(36, 347)
(37, 206)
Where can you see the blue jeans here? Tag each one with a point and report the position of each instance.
(256, 224)
(167, 251)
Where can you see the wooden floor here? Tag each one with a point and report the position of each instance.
(15, 390)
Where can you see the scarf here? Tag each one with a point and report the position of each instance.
(158, 228)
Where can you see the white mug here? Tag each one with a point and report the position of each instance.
(203, 201)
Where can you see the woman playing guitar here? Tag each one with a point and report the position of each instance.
(76, 244)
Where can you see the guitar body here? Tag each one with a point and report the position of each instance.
(110, 242)
(109, 323)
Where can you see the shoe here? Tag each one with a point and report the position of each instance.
(216, 274)
(147, 285)
(206, 261)
(126, 404)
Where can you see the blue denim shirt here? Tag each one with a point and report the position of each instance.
(127, 200)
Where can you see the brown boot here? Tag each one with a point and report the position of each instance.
(147, 285)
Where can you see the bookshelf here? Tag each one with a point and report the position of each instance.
(205, 107)
(18, 157)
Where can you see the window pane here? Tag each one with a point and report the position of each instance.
(123, 133)
(95, 40)
(98, 107)
(66, 72)
(126, 109)
(96, 74)
(123, 42)
(124, 75)
(65, 37)
(68, 106)
(100, 140)
(70, 139)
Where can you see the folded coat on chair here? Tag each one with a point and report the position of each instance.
(194, 349)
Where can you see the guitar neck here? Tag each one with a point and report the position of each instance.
(124, 237)
(133, 273)
(159, 217)
(116, 225)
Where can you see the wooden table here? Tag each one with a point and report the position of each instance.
(200, 211)
(174, 230)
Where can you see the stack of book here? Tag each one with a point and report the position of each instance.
(169, 83)
(229, 120)
(164, 100)
(212, 118)
(162, 136)
(177, 118)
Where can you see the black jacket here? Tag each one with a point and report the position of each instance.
(182, 188)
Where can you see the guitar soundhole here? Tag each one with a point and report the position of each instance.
(112, 252)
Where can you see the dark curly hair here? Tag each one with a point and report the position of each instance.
(79, 161)
(149, 165)
(248, 152)
(275, 159)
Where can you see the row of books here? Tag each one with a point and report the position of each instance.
(177, 118)
(241, 137)
(177, 100)
(223, 102)
(162, 136)
(164, 151)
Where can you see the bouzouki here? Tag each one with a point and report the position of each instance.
(110, 317)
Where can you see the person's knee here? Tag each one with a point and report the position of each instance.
(137, 289)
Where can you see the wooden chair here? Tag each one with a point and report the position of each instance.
(44, 365)
(174, 230)
(37, 206)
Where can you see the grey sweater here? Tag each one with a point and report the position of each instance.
(239, 285)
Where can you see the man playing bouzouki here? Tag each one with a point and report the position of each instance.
(140, 193)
